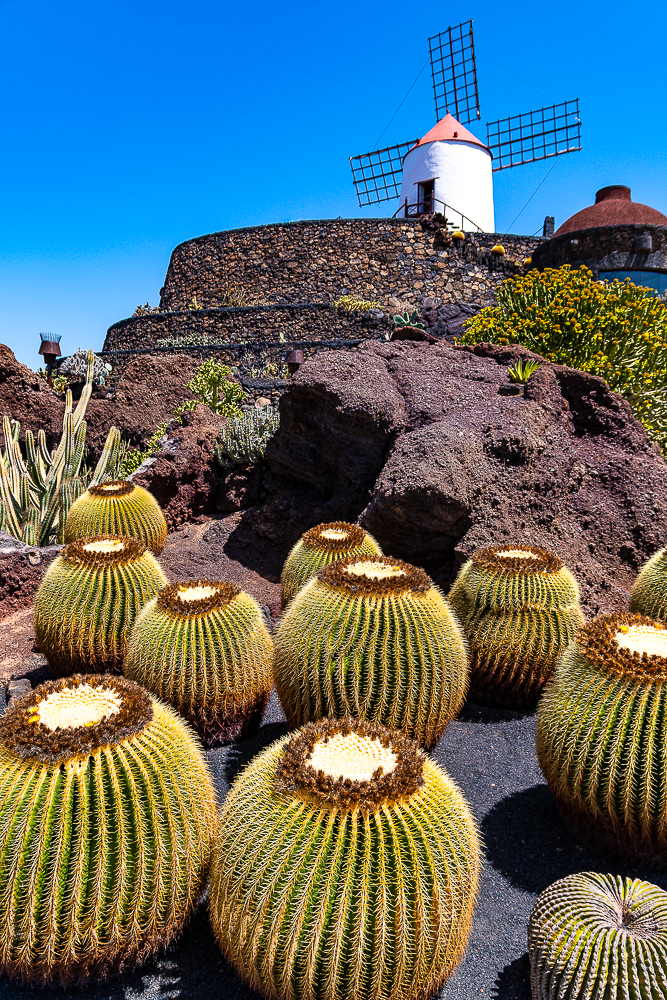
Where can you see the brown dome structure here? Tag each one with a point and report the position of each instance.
(613, 207)
(617, 238)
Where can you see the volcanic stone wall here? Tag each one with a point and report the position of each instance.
(320, 260)
(606, 248)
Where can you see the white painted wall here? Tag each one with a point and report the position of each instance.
(464, 179)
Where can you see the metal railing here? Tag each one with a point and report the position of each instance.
(426, 206)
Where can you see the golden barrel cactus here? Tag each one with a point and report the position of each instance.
(118, 508)
(107, 816)
(346, 868)
(649, 591)
(88, 600)
(203, 646)
(317, 548)
(599, 937)
(601, 738)
(519, 608)
(372, 637)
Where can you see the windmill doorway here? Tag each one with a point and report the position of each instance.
(425, 197)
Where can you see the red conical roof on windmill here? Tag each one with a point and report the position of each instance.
(449, 129)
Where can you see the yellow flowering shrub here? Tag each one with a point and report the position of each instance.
(612, 329)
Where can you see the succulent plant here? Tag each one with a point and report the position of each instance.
(107, 814)
(372, 637)
(88, 600)
(346, 867)
(519, 608)
(203, 646)
(118, 508)
(649, 591)
(408, 319)
(320, 546)
(599, 937)
(242, 440)
(601, 739)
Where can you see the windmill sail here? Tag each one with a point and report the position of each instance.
(377, 176)
(535, 135)
(454, 73)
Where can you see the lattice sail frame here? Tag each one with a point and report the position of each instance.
(535, 135)
(377, 176)
(454, 73)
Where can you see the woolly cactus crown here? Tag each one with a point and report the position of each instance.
(119, 508)
(320, 546)
(196, 597)
(509, 576)
(377, 576)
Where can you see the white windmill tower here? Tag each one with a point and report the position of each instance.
(449, 170)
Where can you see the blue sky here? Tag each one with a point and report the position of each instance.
(128, 127)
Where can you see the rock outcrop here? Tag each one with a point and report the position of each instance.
(21, 570)
(420, 444)
(26, 397)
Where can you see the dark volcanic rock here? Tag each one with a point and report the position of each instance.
(21, 570)
(418, 443)
(26, 397)
(147, 395)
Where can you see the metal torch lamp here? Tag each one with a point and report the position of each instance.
(50, 350)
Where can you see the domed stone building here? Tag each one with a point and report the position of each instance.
(616, 238)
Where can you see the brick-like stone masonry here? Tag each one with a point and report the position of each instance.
(606, 248)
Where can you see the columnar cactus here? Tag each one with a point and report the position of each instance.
(203, 646)
(317, 548)
(649, 592)
(118, 508)
(599, 937)
(107, 815)
(346, 867)
(519, 608)
(88, 601)
(601, 738)
(372, 637)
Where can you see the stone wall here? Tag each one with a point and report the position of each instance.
(318, 261)
(606, 248)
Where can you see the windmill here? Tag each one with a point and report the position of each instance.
(449, 170)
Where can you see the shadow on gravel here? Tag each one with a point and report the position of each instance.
(513, 983)
(528, 842)
(471, 712)
(239, 755)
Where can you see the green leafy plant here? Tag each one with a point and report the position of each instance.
(611, 329)
(409, 319)
(243, 440)
(350, 303)
(212, 385)
(131, 458)
(186, 407)
(38, 489)
(521, 372)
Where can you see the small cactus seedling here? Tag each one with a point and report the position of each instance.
(599, 937)
(346, 868)
(107, 815)
(320, 546)
(372, 637)
(409, 319)
(519, 608)
(649, 591)
(203, 646)
(601, 738)
(88, 601)
(118, 508)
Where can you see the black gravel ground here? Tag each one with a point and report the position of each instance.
(491, 756)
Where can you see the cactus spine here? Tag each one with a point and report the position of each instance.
(107, 814)
(519, 608)
(317, 548)
(601, 738)
(372, 637)
(88, 601)
(346, 868)
(203, 647)
(599, 937)
(118, 508)
(649, 592)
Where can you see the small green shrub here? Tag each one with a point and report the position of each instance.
(409, 319)
(211, 385)
(243, 440)
(349, 303)
(610, 329)
(521, 372)
(131, 458)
